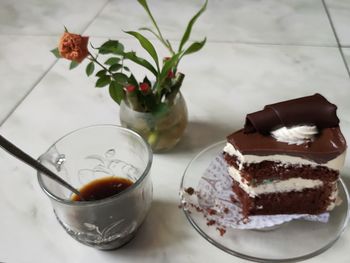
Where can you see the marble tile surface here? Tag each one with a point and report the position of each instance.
(340, 14)
(223, 83)
(268, 21)
(346, 52)
(23, 60)
(40, 17)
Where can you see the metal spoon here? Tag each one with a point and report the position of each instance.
(19, 154)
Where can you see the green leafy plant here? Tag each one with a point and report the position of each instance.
(144, 96)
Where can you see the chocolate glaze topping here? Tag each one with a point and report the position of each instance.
(310, 110)
(329, 144)
(255, 138)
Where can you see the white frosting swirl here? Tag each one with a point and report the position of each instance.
(296, 134)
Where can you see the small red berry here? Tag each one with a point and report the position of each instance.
(144, 87)
(171, 74)
(130, 88)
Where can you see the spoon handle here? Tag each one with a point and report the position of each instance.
(19, 154)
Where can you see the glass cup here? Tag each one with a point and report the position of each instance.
(90, 153)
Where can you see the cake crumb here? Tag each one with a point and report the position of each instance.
(211, 222)
(212, 212)
(221, 230)
(199, 209)
(189, 190)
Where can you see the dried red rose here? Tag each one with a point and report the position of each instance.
(73, 47)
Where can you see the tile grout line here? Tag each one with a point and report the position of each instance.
(336, 37)
(208, 41)
(47, 71)
(95, 16)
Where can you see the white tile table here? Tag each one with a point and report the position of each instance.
(258, 52)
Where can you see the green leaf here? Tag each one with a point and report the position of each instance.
(187, 33)
(169, 64)
(90, 68)
(73, 64)
(146, 44)
(194, 47)
(168, 42)
(115, 67)
(103, 81)
(56, 52)
(145, 79)
(133, 81)
(145, 6)
(111, 46)
(112, 61)
(159, 35)
(116, 91)
(126, 68)
(65, 29)
(101, 73)
(140, 61)
(121, 78)
(151, 31)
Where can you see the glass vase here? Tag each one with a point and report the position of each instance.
(161, 131)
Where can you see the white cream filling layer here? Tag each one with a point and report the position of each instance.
(292, 184)
(335, 164)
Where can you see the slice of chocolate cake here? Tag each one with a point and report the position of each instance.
(287, 158)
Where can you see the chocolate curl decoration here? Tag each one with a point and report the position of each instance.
(310, 110)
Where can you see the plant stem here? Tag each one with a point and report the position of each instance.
(92, 58)
(160, 36)
(170, 47)
(166, 43)
(175, 88)
(97, 62)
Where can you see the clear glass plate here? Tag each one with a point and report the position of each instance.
(293, 241)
